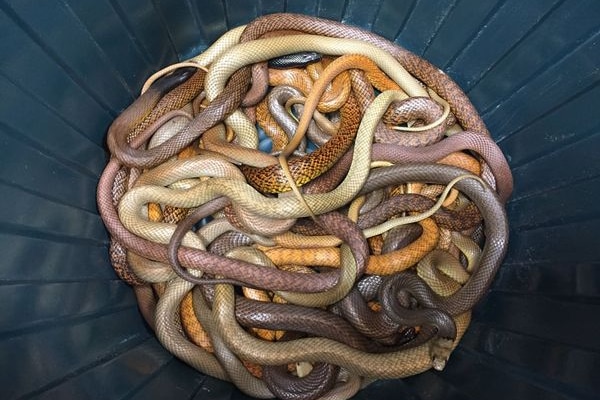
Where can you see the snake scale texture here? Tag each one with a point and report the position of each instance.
(304, 208)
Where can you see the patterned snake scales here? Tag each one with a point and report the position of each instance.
(357, 261)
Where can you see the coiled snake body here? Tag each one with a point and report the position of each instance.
(354, 251)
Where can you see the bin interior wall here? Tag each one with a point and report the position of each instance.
(70, 329)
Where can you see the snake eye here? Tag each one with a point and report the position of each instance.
(407, 334)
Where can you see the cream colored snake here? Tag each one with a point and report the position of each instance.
(198, 226)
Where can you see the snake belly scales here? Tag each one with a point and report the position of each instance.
(304, 208)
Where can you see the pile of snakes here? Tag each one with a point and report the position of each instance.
(304, 208)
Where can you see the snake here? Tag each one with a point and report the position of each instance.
(109, 132)
(388, 365)
(400, 237)
(499, 240)
(202, 164)
(458, 220)
(242, 194)
(302, 169)
(420, 68)
(262, 202)
(275, 108)
(415, 108)
(223, 102)
(150, 120)
(279, 137)
(320, 379)
(430, 75)
(372, 324)
(383, 264)
(242, 253)
(254, 308)
(465, 140)
(443, 296)
(496, 233)
(268, 179)
(352, 264)
(245, 53)
(333, 96)
(215, 139)
(289, 199)
(427, 73)
(295, 60)
(315, 322)
(271, 179)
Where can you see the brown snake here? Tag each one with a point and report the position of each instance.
(421, 69)
(387, 308)
(270, 180)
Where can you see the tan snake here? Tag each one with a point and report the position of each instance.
(213, 184)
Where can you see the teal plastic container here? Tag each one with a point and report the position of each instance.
(70, 329)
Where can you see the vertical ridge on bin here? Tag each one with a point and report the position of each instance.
(44, 303)
(47, 116)
(361, 14)
(331, 9)
(47, 258)
(172, 380)
(130, 32)
(91, 341)
(124, 58)
(148, 30)
(109, 92)
(507, 378)
(555, 224)
(469, 35)
(539, 51)
(240, 12)
(209, 19)
(63, 94)
(392, 18)
(440, 22)
(533, 27)
(531, 68)
(299, 6)
(550, 133)
(550, 361)
(550, 88)
(123, 382)
(584, 153)
(573, 203)
(534, 317)
(421, 26)
(449, 40)
(178, 24)
(508, 25)
(26, 144)
(49, 216)
(567, 279)
(561, 245)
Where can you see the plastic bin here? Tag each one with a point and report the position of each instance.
(70, 329)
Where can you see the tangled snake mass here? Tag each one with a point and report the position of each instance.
(305, 208)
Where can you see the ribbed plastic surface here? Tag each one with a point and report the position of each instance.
(70, 329)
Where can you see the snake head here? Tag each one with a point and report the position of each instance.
(168, 82)
(440, 352)
(295, 60)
